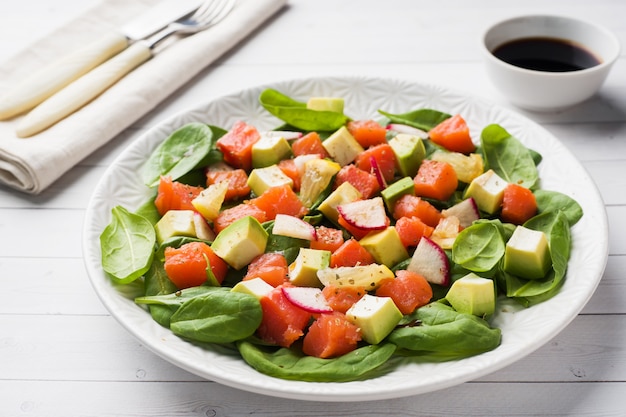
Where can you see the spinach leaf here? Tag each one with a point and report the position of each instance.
(217, 317)
(149, 210)
(296, 114)
(556, 227)
(293, 365)
(442, 330)
(161, 295)
(178, 297)
(185, 149)
(478, 247)
(555, 201)
(424, 119)
(508, 157)
(127, 245)
(156, 282)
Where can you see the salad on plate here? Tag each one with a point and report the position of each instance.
(323, 249)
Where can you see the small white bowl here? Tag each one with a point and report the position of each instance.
(543, 90)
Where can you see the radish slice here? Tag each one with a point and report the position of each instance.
(430, 261)
(310, 299)
(466, 211)
(365, 214)
(401, 128)
(379, 175)
(291, 226)
(203, 230)
(282, 133)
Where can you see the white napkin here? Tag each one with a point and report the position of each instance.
(32, 164)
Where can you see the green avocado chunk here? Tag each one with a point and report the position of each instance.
(409, 151)
(240, 242)
(472, 294)
(527, 254)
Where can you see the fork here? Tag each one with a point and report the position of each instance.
(91, 85)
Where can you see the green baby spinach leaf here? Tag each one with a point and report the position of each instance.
(178, 297)
(217, 317)
(508, 157)
(479, 247)
(127, 245)
(296, 114)
(293, 365)
(188, 147)
(423, 119)
(163, 298)
(441, 330)
(156, 282)
(555, 201)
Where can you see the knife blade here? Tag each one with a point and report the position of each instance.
(52, 78)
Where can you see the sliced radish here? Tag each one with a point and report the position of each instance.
(282, 133)
(310, 299)
(401, 128)
(291, 226)
(365, 214)
(466, 211)
(430, 261)
(377, 173)
(203, 230)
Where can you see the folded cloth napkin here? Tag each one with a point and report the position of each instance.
(32, 164)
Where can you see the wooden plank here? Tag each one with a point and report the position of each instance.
(40, 286)
(77, 398)
(611, 292)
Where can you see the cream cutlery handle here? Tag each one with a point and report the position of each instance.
(83, 90)
(52, 78)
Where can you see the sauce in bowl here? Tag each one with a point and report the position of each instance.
(546, 54)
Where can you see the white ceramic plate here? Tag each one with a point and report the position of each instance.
(523, 330)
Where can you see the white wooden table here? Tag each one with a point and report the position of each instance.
(62, 354)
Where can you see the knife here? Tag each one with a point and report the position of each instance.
(54, 77)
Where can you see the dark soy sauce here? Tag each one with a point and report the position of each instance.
(546, 54)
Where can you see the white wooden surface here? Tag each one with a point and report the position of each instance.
(62, 354)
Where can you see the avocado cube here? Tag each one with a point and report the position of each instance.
(393, 192)
(409, 151)
(255, 287)
(472, 294)
(175, 223)
(269, 150)
(262, 179)
(334, 104)
(385, 246)
(375, 316)
(527, 254)
(303, 271)
(240, 242)
(342, 146)
(345, 193)
(488, 191)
